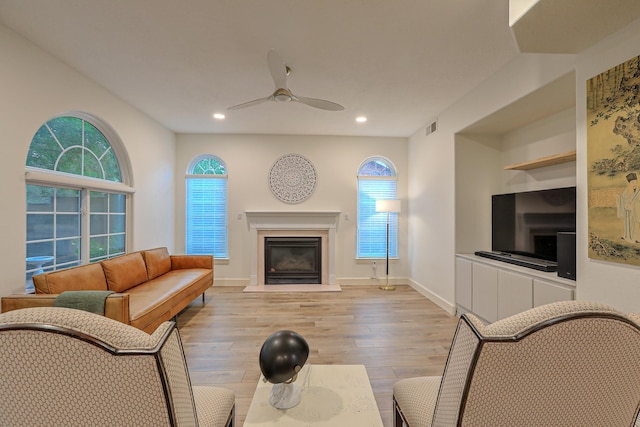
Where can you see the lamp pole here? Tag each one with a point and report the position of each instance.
(388, 206)
(387, 287)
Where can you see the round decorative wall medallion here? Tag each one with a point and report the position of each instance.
(292, 178)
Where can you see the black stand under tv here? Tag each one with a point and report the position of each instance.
(521, 260)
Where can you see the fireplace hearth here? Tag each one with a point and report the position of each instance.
(292, 260)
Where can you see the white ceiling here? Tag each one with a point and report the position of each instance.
(570, 26)
(556, 96)
(398, 62)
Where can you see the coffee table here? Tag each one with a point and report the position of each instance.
(332, 395)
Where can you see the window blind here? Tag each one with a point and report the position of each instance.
(372, 225)
(206, 216)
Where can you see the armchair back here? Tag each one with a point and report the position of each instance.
(565, 364)
(571, 363)
(69, 367)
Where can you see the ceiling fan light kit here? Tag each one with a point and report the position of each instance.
(279, 72)
(282, 95)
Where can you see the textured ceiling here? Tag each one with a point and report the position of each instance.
(398, 62)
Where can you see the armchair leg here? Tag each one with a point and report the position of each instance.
(398, 418)
(231, 422)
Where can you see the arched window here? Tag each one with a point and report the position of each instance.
(377, 180)
(206, 216)
(76, 195)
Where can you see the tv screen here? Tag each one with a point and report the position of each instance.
(527, 223)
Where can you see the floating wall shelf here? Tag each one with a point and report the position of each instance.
(555, 159)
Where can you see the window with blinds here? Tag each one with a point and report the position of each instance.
(206, 208)
(376, 181)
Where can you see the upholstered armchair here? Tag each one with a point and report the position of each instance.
(564, 364)
(66, 367)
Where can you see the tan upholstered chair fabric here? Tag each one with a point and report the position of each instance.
(213, 405)
(465, 344)
(564, 364)
(418, 398)
(65, 367)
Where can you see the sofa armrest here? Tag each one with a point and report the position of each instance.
(116, 306)
(16, 302)
(179, 262)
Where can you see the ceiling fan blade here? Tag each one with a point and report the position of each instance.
(278, 69)
(319, 103)
(249, 104)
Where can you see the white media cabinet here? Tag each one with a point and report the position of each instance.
(493, 290)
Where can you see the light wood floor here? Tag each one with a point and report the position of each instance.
(395, 334)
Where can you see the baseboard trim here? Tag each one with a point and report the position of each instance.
(292, 288)
(436, 299)
(371, 281)
(230, 282)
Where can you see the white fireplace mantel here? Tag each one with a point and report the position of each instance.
(294, 221)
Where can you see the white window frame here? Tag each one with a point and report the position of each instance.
(85, 184)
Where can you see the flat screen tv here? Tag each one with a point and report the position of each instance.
(527, 223)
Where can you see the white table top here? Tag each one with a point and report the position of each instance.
(332, 395)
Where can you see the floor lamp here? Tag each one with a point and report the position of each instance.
(388, 206)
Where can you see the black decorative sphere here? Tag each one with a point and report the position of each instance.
(282, 355)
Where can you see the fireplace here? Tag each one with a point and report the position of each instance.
(317, 224)
(292, 260)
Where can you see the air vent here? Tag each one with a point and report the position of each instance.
(432, 128)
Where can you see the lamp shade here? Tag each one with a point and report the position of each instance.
(388, 205)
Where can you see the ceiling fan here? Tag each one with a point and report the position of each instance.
(279, 72)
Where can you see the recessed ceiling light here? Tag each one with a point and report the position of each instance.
(361, 119)
(218, 116)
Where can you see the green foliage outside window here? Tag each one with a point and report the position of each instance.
(73, 145)
(209, 166)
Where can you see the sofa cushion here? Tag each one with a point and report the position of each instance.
(179, 262)
(165, 296)
(125, 272)
(86, 277)
(158, 262)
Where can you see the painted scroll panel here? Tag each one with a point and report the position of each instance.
(613, 160)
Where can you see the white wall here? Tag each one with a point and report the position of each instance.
(432, 168)
(35, 87)
(432, 187)
(478, 174)
(554, 134)
(336, 159)
(432, 214)
(480, 162)
(610, 283)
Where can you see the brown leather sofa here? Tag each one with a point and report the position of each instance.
(150, 286)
